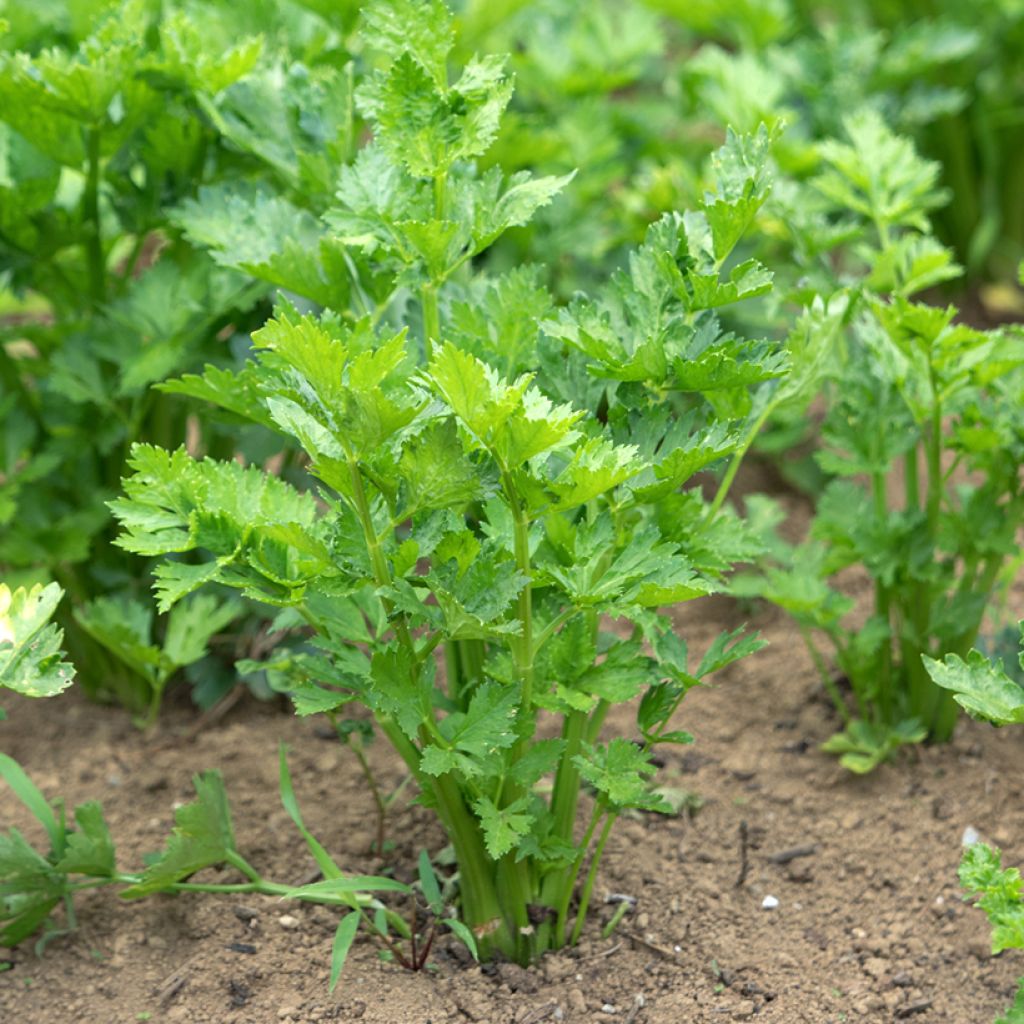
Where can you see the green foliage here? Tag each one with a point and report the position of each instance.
(921, 445)
(983, 689)
(997, 891)
(465, 499)
(944, 80)
(33, 883)
(124, 627)
(82, 856)
(31, 660)
(106, 125)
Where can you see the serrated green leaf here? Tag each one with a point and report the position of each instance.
(202, 837)
(980, 687)
(503, 827)
(90, 850)
(618, 772)
(31, 659)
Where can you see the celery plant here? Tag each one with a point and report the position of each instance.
(923, 439)
(463, 501)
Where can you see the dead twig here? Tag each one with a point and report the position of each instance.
(662, 951)
(639, 1002)
(793, 853)
(603, 953)
(744, 854)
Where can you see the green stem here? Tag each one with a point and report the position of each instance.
(155, 699)
(236, 860)
(597, 717)
(431, 319)
(913, 489)
(481, 907)
(515, 890)
(935, 481)
(91, 216)
(569, 883)
(453, 671)
(588, 886)
(883, 605)
(565, 799)
(737, 459)
(524, 643)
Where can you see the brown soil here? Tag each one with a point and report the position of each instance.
(869, 925)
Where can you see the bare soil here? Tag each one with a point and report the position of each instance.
(869, 924)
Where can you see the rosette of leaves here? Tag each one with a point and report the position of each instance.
(460, 504)
(385, 567)
(468, 500)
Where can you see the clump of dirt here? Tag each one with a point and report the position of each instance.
(865, 922)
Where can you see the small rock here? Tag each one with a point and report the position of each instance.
(643, 921)
(576, 1000)
(744, 1010)
(769, 902)
(869, 1004)
(289, 922)
(287, 1012)
(244, 913)
(876, 967)
(970, 837)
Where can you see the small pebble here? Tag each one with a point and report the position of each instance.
(970, 837)
(289, 922)
(769, 902)
(577, 1001)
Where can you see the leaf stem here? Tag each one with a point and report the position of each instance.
(569, 883)
(737, 459)
(588, 886)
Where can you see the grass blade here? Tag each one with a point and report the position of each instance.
(343, 939)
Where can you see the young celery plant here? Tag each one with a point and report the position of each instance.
(385, 569)
(920, 396)
(83, 857)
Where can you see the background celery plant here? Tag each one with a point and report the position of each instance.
(922, 441)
